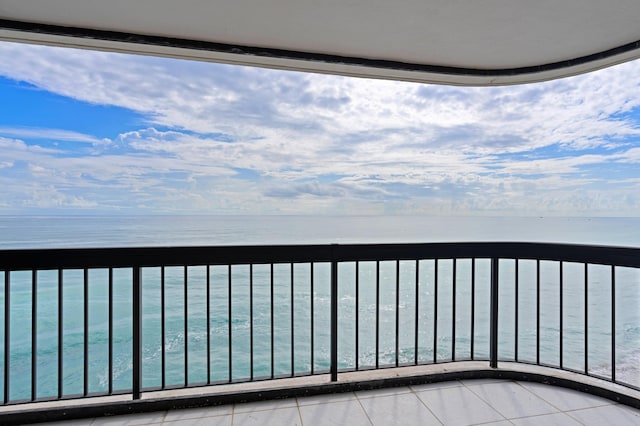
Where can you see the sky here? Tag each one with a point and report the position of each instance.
(84, 132)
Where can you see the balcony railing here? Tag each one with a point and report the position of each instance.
(93, 322)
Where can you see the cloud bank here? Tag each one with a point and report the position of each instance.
(225, 139)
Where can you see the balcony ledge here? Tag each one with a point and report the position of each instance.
(198, 397)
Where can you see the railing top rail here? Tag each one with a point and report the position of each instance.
(72, 258)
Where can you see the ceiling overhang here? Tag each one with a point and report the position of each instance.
(478, 43)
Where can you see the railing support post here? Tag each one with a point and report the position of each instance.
(493, 332)
(334, 318)
(137, 333)
(7, 336)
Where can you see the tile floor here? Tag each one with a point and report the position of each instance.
(467, 402)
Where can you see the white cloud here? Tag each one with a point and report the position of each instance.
(328, 142)
(51, 134)
(50, 197)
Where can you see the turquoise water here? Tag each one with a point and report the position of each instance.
(20, 232)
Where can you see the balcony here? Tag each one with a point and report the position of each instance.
(488, 401)
(94, 332)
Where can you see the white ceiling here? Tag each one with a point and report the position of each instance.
(476, 42)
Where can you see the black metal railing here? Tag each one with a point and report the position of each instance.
(90, 322)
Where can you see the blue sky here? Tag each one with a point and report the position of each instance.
(85, 132)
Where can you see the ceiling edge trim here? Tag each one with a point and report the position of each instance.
(260, 56)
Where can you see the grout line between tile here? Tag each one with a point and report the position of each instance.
(604, 404)
(541, 397)
(568, 413)
(299, 414)
(492, 422)
(591, 408)
(365, 411)
(489, 403)
(426, 406)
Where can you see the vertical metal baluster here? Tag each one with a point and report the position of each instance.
(334, 321)
(137, 321)
(453, 311)
(186, 325)
(416, 314)
(110, 371)
(561, 314)
(34, 334)
(137, 334)
(517, 297)
(251, 320)
(538, 311)
(397, 312)
(586, 319)
(435, 311)
(163, 326)
(493, 336)
(357, 316)
(60, 333)
(312, 319)
(613, 323)
(230, 302)
(7, 319)
(85, 311)
(272, 325)
(292, 321)
(208, 296)
(473, 307)
(377, 313)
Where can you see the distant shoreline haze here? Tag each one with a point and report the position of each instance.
(125, 231)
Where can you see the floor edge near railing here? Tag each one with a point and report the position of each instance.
(315, 385)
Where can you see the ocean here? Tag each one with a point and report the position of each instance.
(125, 231)
(292, 337)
